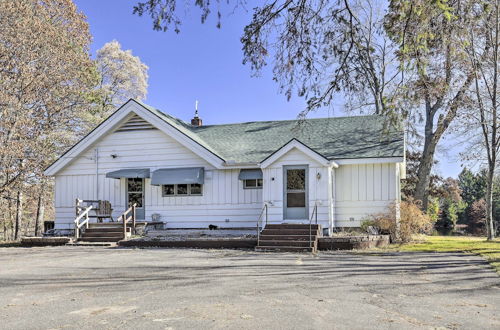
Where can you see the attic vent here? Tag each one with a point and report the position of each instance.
(135, 123)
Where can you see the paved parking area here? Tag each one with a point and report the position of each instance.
(112, 288)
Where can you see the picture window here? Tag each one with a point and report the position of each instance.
(171, 190)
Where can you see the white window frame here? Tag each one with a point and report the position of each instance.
(256, 184)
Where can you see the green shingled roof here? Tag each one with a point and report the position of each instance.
(334, 138)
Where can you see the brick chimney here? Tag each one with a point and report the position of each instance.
(196, 121)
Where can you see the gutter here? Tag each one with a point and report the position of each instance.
(234, 164)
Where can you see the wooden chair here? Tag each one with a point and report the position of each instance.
(104, 211)
(101, 209)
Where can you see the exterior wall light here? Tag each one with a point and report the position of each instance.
(318, 175)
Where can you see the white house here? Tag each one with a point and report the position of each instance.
(194, 175)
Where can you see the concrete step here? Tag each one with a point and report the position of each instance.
(292, 226)
(287, 243)
(287, 237)
(82, 243)
(289, 232)
(106, 225)
(100, 239)
(284, 248)
(116, 224)
(105, 229)
(103, 234)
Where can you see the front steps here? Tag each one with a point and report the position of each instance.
(289, 238)
(104, 232)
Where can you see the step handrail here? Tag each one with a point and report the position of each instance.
(125, 219)
(314, 214)
(85, 222)
(262, 212)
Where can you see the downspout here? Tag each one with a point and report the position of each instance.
(96, 173)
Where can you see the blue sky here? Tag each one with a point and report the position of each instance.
(202, 63)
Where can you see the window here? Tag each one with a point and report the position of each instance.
(252, 184)
(193, 189)
(135, 191)
(182, 189)
(168, 190)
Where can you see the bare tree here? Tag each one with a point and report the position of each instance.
(318, 49)
(484, 51)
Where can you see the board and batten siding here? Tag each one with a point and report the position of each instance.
(223, 194)
(319, 191)
(362, 190)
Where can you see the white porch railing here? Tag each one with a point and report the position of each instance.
(84, 215)
(261, 219)
(314, 215)
(126, 217)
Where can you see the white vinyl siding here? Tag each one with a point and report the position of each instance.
(363, 190)
(223, 195)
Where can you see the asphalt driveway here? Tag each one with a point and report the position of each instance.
(111, 288)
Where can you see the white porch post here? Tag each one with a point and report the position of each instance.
(331, 200)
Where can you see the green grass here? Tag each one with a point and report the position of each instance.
(490, 250)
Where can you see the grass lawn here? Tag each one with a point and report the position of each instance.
(477, 245)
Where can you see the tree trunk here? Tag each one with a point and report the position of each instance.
(492, 159)
(19, 213)
(426, 162)
(11, 219)
(5, 226)
(489, 204)
(40, 210)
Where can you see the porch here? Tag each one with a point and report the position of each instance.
(94, 223)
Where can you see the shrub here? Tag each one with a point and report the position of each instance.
(412, 221)
(433, 209)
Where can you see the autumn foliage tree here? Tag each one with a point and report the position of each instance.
(477, 217)
(45, 76)
(121, 76)
(431, 37)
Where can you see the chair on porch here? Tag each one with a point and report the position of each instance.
(101, 209)
(104, 211)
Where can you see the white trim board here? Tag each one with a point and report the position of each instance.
(355, 161)
(296, 144)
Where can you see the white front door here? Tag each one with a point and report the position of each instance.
(295, 183)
